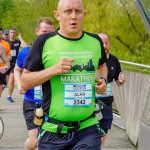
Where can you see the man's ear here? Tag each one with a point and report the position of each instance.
(84, 13)
(56, 14)
(36, 31)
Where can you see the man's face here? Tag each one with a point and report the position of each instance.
(5, 36)
(1, 34)
(44, 28)
(105, 41)
(70, 15)
(12, 34)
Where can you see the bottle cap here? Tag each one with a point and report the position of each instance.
(38, 105)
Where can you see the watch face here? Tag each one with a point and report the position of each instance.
(1, 127)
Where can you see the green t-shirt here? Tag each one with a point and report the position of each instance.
(72, 95)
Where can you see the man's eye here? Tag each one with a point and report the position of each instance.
(78, 11)
(68, 11)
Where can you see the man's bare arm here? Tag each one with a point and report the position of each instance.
(101, 77)
(9, 56)
(31, 79)
(23, 43)
(5, 59)
(17, 75)
(102, 71)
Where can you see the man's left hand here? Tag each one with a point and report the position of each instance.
(100, 86)
(121, 78)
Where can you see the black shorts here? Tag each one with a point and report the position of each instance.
(28, 112)
(2, 79)
(8, 72)
(88, 138)
(106, 121)
(11, 70)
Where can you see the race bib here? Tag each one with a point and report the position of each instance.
(77, 95)
(108, 91)
(13, 52)
(38, 94)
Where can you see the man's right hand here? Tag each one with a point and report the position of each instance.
(2, 70)
(21, 91)
(63, 66)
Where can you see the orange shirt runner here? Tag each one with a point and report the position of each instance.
(7, 47)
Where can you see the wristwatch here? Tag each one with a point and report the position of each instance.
(104, 79)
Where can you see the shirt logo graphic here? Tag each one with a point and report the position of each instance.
(112, 68)
(87, 66)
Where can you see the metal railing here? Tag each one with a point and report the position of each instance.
(133, 98)
(135, 64)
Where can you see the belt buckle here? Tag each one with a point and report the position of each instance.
(75, 127)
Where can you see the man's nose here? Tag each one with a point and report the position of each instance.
(73, 15)
(104, 46)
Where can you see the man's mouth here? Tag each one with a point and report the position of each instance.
(73, 24)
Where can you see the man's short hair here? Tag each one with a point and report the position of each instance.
(47, 20)
(1, 29)
(13, 28)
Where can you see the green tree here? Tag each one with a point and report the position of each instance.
(25, 15)
(118, 18)
(5, 6)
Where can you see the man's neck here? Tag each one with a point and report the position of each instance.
(10, 39)
(107, 55)
(71, 35)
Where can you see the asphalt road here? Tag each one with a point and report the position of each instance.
(15, 131)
